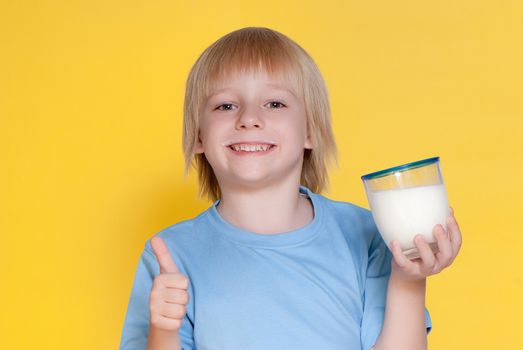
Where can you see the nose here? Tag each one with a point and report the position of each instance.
(249, 118)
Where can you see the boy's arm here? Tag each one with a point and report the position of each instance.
(138, 331)
(160, 339)
(404, 323)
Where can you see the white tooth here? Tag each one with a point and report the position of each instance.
(250, 148)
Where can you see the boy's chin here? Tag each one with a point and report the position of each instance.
(250, 182)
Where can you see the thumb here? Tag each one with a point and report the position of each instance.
(165, 260)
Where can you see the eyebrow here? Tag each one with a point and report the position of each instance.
(282, 88)
(274, 86)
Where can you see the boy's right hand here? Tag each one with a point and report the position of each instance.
(169, 294)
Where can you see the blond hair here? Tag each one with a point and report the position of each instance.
(260, 49)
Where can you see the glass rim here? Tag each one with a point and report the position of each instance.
(408, 166)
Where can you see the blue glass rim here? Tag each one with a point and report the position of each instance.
(408, 166)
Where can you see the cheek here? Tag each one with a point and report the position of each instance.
(206, 125)
(299, 127)
(212, 133)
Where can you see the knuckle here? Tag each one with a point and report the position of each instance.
(402, 263)
(176, 324)
(446, 257)
(156, 280)
(185, 297)
(154, 302)
(179, 311)
(154, 296)
(161, 322)
(153, 310)
(182, 281)
(160, 279)
(154, 290)
(179, 296)
(156, 319)
(185, 281)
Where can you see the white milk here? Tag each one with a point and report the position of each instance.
(403, 213)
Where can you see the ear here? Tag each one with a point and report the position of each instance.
(308, 142)
(199, 146)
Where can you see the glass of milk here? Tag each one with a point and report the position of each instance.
(407, 200)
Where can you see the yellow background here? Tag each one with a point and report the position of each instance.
(90, 144)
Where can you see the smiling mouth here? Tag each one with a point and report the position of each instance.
(251, 148)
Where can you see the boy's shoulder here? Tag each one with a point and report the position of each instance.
(354, 220)
(345, 206)
(347, 210)
(179, 234)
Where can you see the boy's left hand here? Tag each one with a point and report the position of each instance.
(429, 263)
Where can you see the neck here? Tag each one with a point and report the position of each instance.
(268, 210)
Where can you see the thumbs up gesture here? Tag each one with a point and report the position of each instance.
(169, 294)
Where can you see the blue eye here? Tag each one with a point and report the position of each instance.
(225, 107)
(275, 104)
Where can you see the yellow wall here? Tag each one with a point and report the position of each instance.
(90, 144)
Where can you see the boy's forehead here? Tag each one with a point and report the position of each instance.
(230, 81)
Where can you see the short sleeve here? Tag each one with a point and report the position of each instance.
(136, 324)
(375, 292)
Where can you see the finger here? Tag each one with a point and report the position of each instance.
(455, 235)
(176, 311)
(451, 211)
(173, 280)
(161, 251)
(165, 323)
(425, 253)
(398, 255)
(176, 296)
(444, 256)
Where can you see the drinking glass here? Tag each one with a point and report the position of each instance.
(407, 200)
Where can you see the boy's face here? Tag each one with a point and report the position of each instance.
(253, 131)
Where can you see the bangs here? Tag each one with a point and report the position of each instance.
(252, 51)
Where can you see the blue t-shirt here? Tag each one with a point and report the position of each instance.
(322, 286)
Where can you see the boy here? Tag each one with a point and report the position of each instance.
(272, 264)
